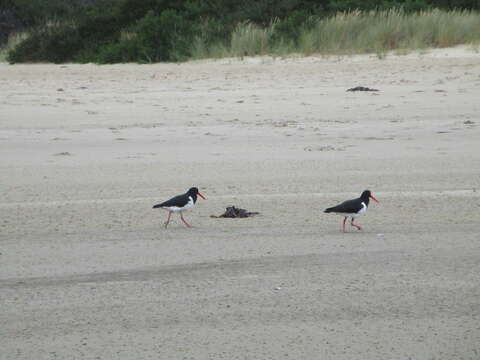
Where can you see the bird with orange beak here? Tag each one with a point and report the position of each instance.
(353, 208)
(180, 203)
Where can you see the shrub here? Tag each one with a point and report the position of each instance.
(54, 43)
(154, 38)
(14, 39)
(290, 28)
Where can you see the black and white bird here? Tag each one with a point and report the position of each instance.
(180, 203)
(353, 208)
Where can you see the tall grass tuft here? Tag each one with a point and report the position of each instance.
(353, 32)
(381, 31)
(249, 39)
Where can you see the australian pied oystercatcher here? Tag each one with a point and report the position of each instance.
(180, 203)
(353, 208)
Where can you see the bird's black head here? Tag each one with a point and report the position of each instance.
(366, 196)
(193, 192)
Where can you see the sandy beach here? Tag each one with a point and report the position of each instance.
(87, 270)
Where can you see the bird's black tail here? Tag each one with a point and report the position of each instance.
(157, 206)
(328, 210)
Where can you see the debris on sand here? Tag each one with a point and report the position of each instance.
(233, 212)
(362, 88)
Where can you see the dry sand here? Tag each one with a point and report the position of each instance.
(88, 272)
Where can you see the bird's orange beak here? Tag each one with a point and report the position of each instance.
(373, 197)
(203, 197)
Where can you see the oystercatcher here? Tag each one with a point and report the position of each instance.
(180, 203)
(353, 208)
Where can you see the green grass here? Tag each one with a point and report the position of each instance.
(250, 39)
(360, 32)
(247, 39)
(354, 32)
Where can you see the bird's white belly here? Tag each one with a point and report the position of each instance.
(188, 206)
(362, 211)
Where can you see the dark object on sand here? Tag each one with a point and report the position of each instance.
(233, 212)
(362, 88)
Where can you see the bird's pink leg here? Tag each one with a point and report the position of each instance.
(168, 219)
(345, 219)
(357, 226)
(181, 216)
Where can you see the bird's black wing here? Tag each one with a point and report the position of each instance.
(180, 201)
(347, 207)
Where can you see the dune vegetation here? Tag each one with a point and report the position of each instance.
(351, 32)
(145, 31)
